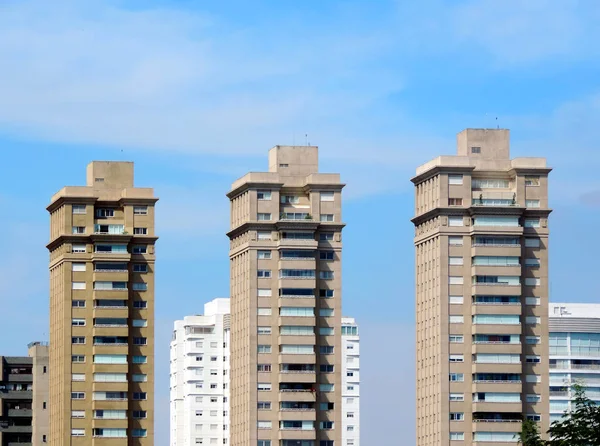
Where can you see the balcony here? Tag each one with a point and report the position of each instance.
(496, 289)
(306, 396)
(16, 394)
(20, 377)
(301, 243)
(495, 270)
(496, 347)
(493, 407)
(297, 415)
(496, 329)
(298, 377)
(20, 413)
(496, 308)
(297, 434)
(480, 367)
(494, 250)
(497, 386)
(486, 198)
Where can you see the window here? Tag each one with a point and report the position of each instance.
(297, 311)
(455, 240)
(78, 377)
(326, 236)
(475, 149)
(139, 396)
(78, 322)
(455, 261)
(457, 377)
(326, 368)
(327, 217)
(140, 286)
(456, 339)
(264, 443)
(264, 312)
(326, 331)
(141, 304)
(139, 414)
(325, 275)
(139, 378)
(325, 388)
(263, 273)
(78, 303)
(139, 249)
(263, 254)
(78, 285)
(264, 405)
(140, 210)
(532, 242)
(263, 195)
(78, 208)
(264, 349)
(140, 231)
(326, 349)
(533, 262)
(78, 432)
(455, 280)
(457, 358)
(264, 330)
(289, 199)
(534, 417)
(263, 235)
(533, 281)
(327, 425)
(110, 359)
(264, 387)
(77, 395)
(457, 397)
(532, 203)
(455, 299)
(105, 213)
(455, 202)
(532, 181)
(327, 196)
(140, 341)
(532, 301)
(532, 359)
(78, 358)
(496, 319)
(139, 268)
(326, 255)
(109, 432)
(458, 436)
(296, 349)
(296, 330)
(78, 267)
(138, 432)
(455, 220)
(326, 312)
(326, 293)
(264, 424)
(78, 229)
(455, 179)
(496, 220)
(532, 340)
(495, 261)
(457, 416)
(264, 292)
(533, 378)
(533, 398)
(263, 368)
(533, 320)
(110, 377)
(78, 414)
(78, 340)
(78, 248)
(456, 319)
(497, 358)
(532, 223)
(263, 216)
(139, 359)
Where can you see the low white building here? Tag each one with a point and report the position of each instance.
(574, 353)
(200, 377)
(350, 382)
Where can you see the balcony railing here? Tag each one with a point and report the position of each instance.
(512, 245)
(302, 409)
(295, 390)
(497, 421)
(483, 381)
(298, 296)
(496, 303)
(297, 371)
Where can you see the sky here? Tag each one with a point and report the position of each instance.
(195, 93)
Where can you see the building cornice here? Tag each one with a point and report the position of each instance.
(481, 210)
(70, 200)
(253, 185)
(309, 225)
(440, 169)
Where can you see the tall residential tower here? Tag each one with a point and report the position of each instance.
(481, 239)
(102, 310)
(285, 260)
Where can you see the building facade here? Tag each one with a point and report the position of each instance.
(199, 381)
(102, 310)
(24, 397)
(285, 268)
(350, 382)
(481, 240)
(574, 354)
(200, 386)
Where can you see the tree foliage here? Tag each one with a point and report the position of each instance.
(530, 434)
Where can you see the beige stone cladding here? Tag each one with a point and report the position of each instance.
(481, 253)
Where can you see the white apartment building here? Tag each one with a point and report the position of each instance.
(200, 377)
(350, 383)
(574, 353)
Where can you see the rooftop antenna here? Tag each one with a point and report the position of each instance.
(497, 125)
(306, 139)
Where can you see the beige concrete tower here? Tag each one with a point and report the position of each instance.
(481, 239)
(38, 352)
(285, 252)
(102, 310)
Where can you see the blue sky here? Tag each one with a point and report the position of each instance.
(197, 92)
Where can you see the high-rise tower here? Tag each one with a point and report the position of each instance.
(481, 239)
(102, 310)
(285, 259)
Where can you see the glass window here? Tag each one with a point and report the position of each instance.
(455, 179)
(532, 242)
(297, 311)
(456, 319)
(455, 280)
(263, 235)
(532, 203)
(490, 183)
(262, 254)
(455, 220)
(496, 220)
(263, 216)
(327, 217)
(455, 299)
(140, 210)
(327, 196)
(264, 292)
(532, 181)
(78, 248)
(78, 208)
(455, 261)
(263, 195)
(532, 223)
(455, 240)
(264, 311)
